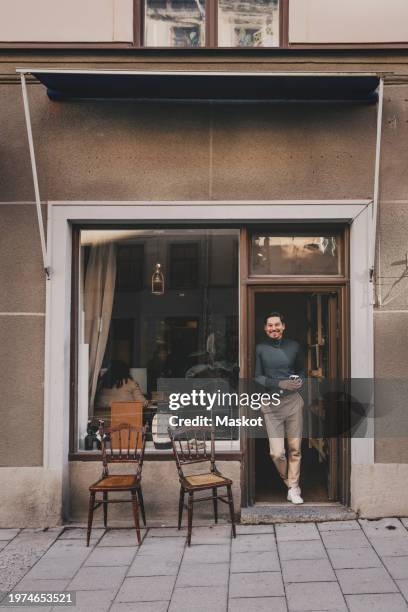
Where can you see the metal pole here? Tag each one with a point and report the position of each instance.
(34, 172)
(373, 244)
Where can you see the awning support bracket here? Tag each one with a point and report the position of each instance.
(376, 195)
(35, 176)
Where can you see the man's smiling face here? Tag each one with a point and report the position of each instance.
(274, 328)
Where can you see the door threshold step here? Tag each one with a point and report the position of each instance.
(263, 514)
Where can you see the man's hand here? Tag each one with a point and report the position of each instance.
(290, 385)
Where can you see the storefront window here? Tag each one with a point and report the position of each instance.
(248, 24)
(133, 341)
(175, 23)
(282, 255)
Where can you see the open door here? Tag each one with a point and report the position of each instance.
(322, 364)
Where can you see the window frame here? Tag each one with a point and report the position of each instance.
(227, 450)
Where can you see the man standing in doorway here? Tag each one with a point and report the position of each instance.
(280, 367)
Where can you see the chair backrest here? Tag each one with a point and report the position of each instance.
(193, 445)
(123, 443)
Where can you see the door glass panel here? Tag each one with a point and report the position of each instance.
(248, 24)
(175, 23)
(281, 255)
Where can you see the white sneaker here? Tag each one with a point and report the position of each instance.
(294, 495)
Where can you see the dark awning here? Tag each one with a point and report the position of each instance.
(185, 85)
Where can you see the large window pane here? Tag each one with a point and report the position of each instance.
(136, 335)
(175, 23)
(248, 23)
(279, 255)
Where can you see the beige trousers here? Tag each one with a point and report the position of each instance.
(286, 421)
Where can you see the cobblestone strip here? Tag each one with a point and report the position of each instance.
(22, 553)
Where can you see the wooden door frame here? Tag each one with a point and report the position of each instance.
(249, 286)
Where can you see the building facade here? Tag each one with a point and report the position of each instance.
(258, 153)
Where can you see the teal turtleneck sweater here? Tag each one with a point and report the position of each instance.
(276, 360)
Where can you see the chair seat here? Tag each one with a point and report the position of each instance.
(117, 482)
(206, 480)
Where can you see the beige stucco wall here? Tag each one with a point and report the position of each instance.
(66, 21)
(349, 21)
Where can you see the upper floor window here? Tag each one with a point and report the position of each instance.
(175, 23)
(209, 23)
(248, 24)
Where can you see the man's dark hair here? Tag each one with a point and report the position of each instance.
(274, 314)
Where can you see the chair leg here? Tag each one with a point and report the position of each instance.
(215, 504)
(232, 512)
(190, 517)
(105, 509)
(181, 504)
(135, 507)
(141, 504)
(90, 516)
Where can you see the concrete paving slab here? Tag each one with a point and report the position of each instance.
(217, 534)
(199, 599)
(315, 596)
(257, 604)
(141, 606)
(93, 578)
(22, 553)
(404, 521)
(353, 558)
(151, 588)
(120, 537)
(296, 532)
(151, 565)
(390, 547)
(203, 574)
(391, 602)
(3, 544)
(77, 533)
(24, 608)
(397, 567)
(305, 549)
(167, 532)
(260, 584)
(56, 569)
(87, 601)
(211, 553)
(383, 528)
(164, 547)
(111, 556)
(364, 581)
(254, 543)
(254, 529)
(403, 587)
(8, 534)
(266, 561)
(345, 539)
(301, 570)
(338, 525)
(33, 584)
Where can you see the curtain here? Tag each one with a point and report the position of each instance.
(98, 302)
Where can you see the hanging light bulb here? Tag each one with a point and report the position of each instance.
(157, 281)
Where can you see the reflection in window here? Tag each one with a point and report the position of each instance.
(250, 23)
(286, 255)
(131, 339)
(175, 23)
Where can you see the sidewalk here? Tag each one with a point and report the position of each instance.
(347, 565)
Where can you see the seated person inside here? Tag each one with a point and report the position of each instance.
(117, 385)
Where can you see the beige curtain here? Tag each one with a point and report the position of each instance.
(98, 301)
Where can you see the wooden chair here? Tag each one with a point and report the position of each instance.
(121, 443)
(190, 446)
